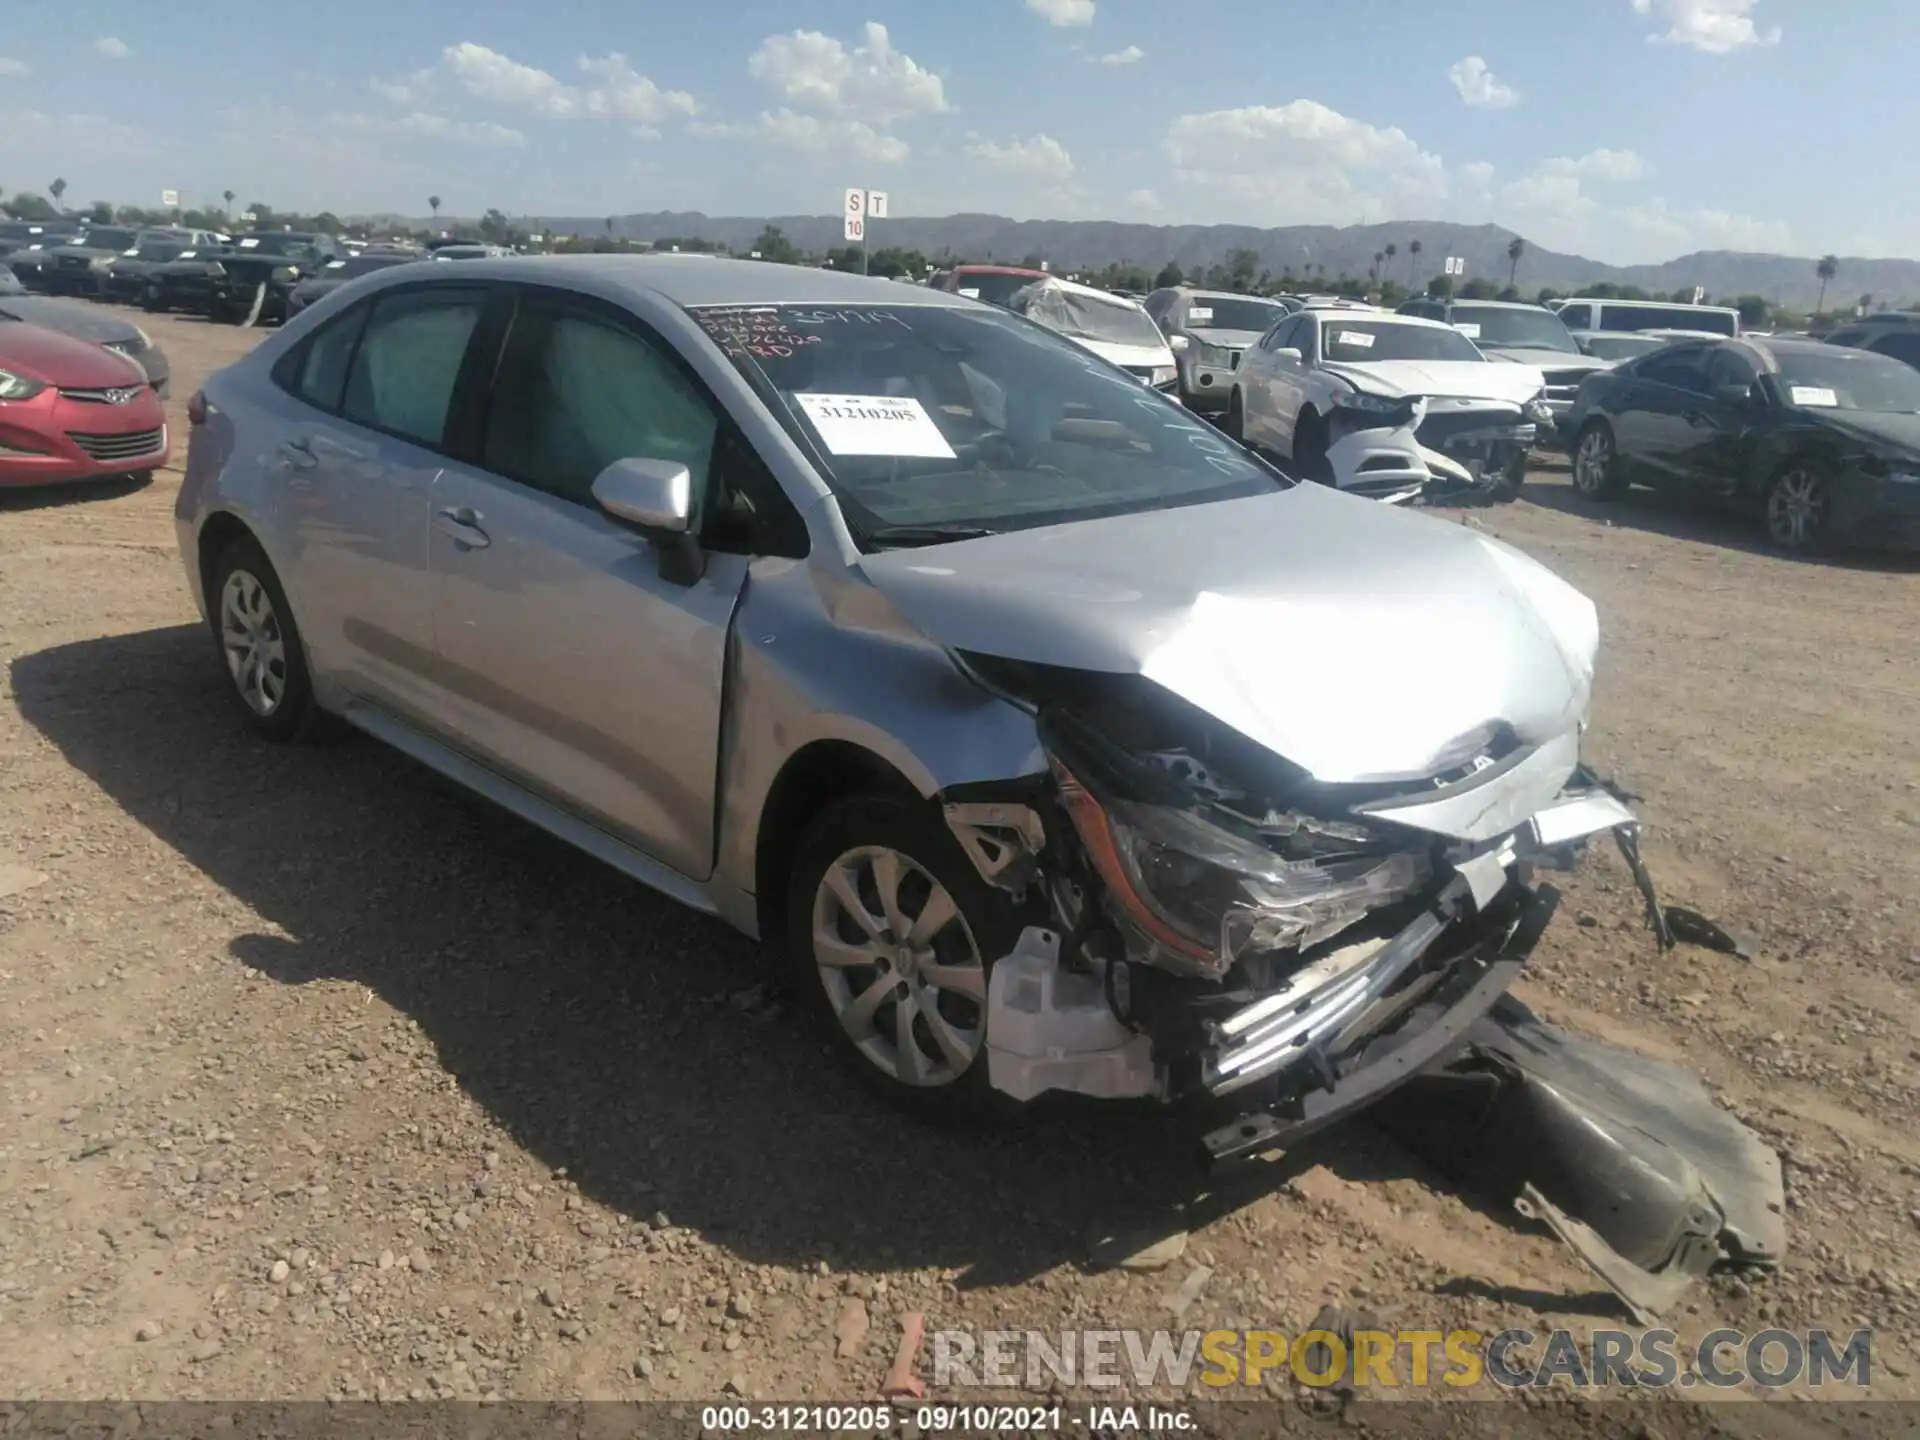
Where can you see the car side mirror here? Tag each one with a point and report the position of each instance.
(1289, 354)
(656, 498)
(1738, 396)
(1178, 343)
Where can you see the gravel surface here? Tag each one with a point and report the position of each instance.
(324, 1080)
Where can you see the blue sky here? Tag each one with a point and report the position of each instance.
(1627, 130)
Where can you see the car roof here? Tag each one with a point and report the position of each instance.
(1500, 304)
(1074, 287)
(989, 270)
(1663, 304)
(707, 280)
(1193, 292)
(1375, 317)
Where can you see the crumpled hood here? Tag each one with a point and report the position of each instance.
(1157, 356)
(1546, 359)
(1358, 641)
(1472, 379)
(1886, 434)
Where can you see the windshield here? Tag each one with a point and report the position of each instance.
(1358, 342)
(1232, 312)
(1088, 317)
(1620, 347)
(1502, 328)
(1848, 380)
(955, 417)
(157, 250)
(992, 288)
(109, 239)
(1620, 315)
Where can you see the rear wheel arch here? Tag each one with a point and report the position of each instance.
(218, 532)
(812, 778)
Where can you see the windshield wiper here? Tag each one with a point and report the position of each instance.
(927, 534)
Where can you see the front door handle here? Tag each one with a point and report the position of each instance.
(461, 524)
(298, 453)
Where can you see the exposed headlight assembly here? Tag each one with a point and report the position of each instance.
(18, 387)
(1201, 896)
(1163, 375)
(1359, 400)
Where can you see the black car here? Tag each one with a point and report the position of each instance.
(1896, 334)
(24, 245)
(258, 273)
(1820, 440)
(79, 266)
(336, 273)
(127, 275)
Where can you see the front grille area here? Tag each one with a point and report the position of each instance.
(1445, 429)
(71, 262)
(121, 447)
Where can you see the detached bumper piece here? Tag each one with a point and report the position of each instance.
(1628, 1160)
(1332, 1048)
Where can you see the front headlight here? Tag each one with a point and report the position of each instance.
(1163, 375)
(1904, 477)
(18, 387)
(1537, 410)
(1358, 400)
(286, 274)
(1202, 895)
(146, 340)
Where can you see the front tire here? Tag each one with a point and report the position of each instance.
(1799, 509)
(259, 644)
(1310, 449)
(892, 935)
(1234, 422)
(1597, 473)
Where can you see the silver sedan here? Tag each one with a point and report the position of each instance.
(1059, 742)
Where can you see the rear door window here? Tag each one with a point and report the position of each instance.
(1681, 368)
(1577, 317)
(1900, 346)
(403, 374)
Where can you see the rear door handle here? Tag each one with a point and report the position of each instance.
(461, 524)
(298, 453)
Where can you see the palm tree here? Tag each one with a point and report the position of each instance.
(1391, 251)
(56, 190)
(1866, 302)
(1516, 247)
(227, 195)
(1826, 268)
(1379, 264)
(1413, 258)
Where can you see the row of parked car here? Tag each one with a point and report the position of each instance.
(1818, 437)
(245, 279)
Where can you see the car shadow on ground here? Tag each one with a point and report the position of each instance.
(607, 1029)
(76, 492)
(1704, 522)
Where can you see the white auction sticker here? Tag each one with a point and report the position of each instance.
(969, 294)
(1818, 396)
(1468, 329)
(875, 425)
(1358, 338)
(1199, 315)
(248, 244)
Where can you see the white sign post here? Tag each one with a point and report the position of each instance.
(1456, 265)
(858, 209)
(170, 199)
(1699, 294)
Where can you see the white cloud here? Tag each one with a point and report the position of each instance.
(1602, 164)
(1063, 12)
(872, 82)
(435, 127)
(1479, 86)
(1146, 201)
(813, 135)
(1715, 26)
(113, 47)
(1302, 163)
(1132, 55)
(1040, 157)
(1475, 175)
(497, 79)
(10, 66)
(75, 135)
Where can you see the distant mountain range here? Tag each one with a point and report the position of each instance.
(1075, 244)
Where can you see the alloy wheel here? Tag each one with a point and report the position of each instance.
(252, 640)
(1593, 462)
(1796, 509)
(900, 966)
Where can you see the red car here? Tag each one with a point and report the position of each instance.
(996, 284)
(73, 410)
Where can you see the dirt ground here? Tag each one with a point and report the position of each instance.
(321, 1080)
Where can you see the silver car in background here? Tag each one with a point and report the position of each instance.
(1061, 743)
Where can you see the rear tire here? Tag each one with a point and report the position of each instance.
(1597, 473)
(259, 644)
(880, 876)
